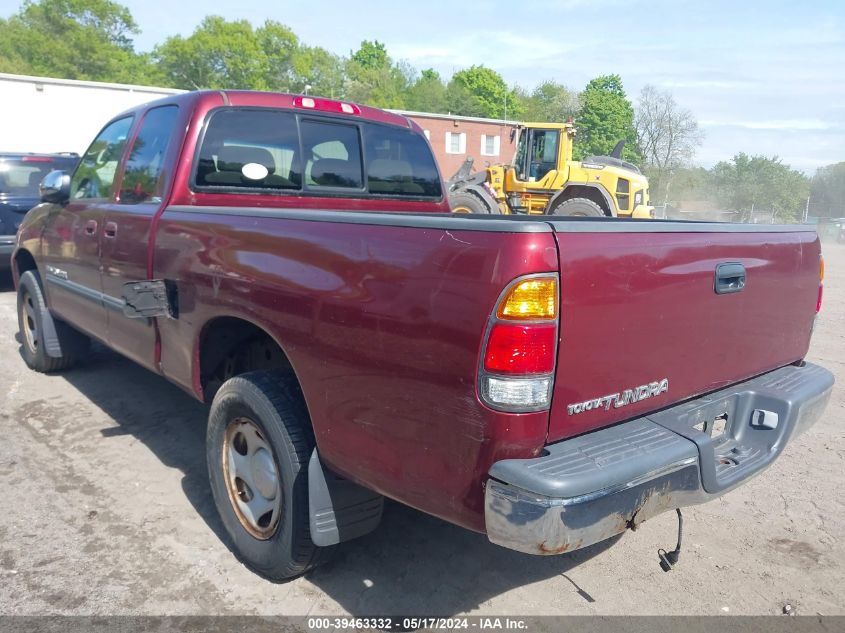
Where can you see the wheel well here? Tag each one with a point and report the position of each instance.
(230, 346)
(24, 261)
(583, 191)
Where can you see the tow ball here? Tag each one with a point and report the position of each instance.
(669, 559)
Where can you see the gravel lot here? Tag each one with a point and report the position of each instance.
(106, 510)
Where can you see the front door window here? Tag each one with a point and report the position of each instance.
(543, 153)
(94, 177)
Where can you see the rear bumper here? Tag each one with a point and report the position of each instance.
(592, 487)
(7, 246)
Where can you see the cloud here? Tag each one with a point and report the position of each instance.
(777, 124)
(726, 84)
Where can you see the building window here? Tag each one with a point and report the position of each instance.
(456, 143)
(427, 134)
(489, 145)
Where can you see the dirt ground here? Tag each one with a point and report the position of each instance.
(106, 510)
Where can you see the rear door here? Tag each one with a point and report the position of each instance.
(71, 239)
(639, 308)
(128, 224)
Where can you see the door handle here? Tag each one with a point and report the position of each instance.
(91, 227)
(730, 277)
(110, 229)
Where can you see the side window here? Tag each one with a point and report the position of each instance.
(489, 145)
(144, 178)
(332, 155)
(94, 176)
(399, 163)
(456, 142)
(250, 149)
(521, 154)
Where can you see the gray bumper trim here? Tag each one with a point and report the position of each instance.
(595, 486)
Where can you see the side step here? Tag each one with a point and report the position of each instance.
(340, 510)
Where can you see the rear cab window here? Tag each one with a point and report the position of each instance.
(260, 150)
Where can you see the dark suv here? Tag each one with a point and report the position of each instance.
(20, 175)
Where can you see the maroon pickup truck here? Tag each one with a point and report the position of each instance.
(551, 382)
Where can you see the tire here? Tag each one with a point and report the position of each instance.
(31, 307)
(277, 543)
(578, 207)
(466, 202)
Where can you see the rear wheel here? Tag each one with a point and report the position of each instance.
(258, 444)
(31, 311)
(578, 207)
(466, 202)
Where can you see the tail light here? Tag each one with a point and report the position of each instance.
(821, 285)
(519, 349)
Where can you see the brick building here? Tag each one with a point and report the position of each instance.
(453, 138)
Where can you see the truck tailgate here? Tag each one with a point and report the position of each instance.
(642, 326)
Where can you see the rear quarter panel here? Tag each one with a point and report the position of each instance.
(383, 326)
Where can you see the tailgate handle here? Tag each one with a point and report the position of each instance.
(730, 277)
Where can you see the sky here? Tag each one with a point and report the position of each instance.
(761, 76)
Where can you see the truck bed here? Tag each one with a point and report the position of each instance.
(382, 316)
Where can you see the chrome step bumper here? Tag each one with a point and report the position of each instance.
(589, 488)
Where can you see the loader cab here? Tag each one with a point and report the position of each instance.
(536, 154)
(541, 149)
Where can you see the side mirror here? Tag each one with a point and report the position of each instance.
(55, 187)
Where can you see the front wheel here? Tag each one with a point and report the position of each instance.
(32, 313)
(258, 444)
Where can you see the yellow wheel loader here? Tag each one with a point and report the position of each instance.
(544, 179)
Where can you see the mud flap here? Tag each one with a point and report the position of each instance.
(49, 335)
(340, 510)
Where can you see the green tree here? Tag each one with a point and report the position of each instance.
(374, 79)
(74, 39)
(606, 117)
(460, 101)
(428, 94)
(320, 69)
(552, 102)
(478, 91)
(757, 183)
(279, 48)
(371, 55)
(687, 183)
(827, 192)
(223, 54)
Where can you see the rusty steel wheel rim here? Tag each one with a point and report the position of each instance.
(252, 478)
(28, 322)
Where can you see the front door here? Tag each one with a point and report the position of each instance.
(536, 155)
(127, 226)
(71, 239)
